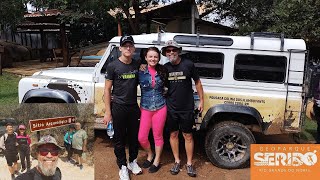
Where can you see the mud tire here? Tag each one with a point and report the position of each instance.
(226, 138)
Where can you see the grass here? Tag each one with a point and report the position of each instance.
(9, 89)
(309, 131)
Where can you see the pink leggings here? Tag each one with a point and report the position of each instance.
(155, 120)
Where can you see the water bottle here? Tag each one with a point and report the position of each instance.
(110, 130)
(197, 113)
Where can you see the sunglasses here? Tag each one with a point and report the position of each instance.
(172, 50)
(44, 152)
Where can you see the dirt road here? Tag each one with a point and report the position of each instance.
(106, 167)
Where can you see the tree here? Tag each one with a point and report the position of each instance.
(298, 18)
(77, 9)
(134, 19)
(295, 18)
(11, 13)
(89, 20)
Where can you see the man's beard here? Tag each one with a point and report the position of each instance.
(173, 59)
(49, 170)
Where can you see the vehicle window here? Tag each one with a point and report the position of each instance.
(115, 54)
(209, 65)
(249, 67)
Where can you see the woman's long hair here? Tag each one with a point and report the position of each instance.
(161, 70)
(24, 133)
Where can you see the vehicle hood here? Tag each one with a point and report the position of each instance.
(74, 73)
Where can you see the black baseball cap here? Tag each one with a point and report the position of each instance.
(126, 38)
(9, 124)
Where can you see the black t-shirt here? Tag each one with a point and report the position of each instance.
(34, 174)
(10, 143)
(180, 92)
(124, 81)
(23, 143)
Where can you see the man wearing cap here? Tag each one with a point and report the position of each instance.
(122, 77)
(180, 103)
(79, 144)
(8, 142)
(46, 151)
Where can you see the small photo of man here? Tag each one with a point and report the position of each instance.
(46, 152)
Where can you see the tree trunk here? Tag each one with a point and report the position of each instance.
(1, 52)
(44, 46)
(148, 25)
(133, 25)
(119, 28)
(137, 15)
(64, 45)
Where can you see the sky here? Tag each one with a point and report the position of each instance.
(30, 8)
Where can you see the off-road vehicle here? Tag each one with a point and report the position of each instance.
(251, 83)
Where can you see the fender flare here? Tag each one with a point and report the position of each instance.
(49, 93)
(231, 108)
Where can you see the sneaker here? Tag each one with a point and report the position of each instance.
(175, 169)
(147, 163)
(191, 171)
(154, 168)
(123, 173)
(134, 167)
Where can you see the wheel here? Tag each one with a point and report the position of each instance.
(228, 145)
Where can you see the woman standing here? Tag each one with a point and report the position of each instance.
(24, 142)
(68, 141)
(153, 107)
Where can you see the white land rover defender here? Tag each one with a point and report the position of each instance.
(251, 83)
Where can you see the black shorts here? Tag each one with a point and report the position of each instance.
(180, 120)
(77, 151)
(11, 157)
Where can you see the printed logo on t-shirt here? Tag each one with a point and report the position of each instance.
(176, 76)
(129, 75)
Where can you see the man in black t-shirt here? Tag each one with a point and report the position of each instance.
(180, 103)
(123, 111)
(8, 142)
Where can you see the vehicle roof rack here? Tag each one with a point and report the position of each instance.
(199, 40)
(267, 35)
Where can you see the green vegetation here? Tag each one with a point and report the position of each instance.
(9, 89)
(274, 16)
(309, 131)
